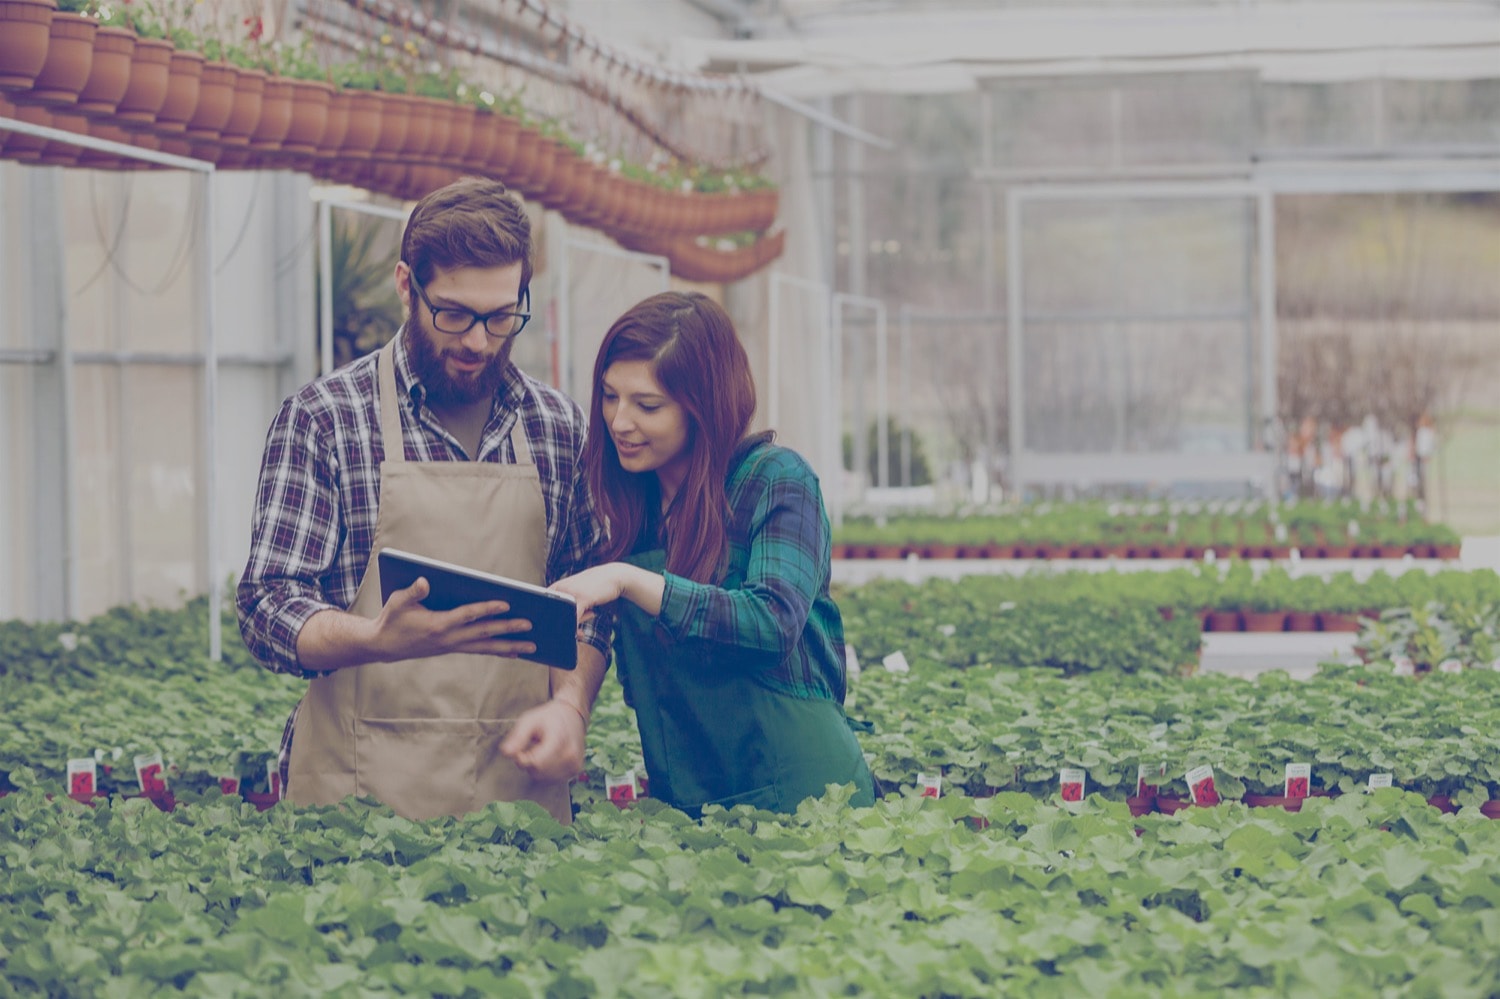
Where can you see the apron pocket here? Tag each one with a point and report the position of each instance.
(421, 767)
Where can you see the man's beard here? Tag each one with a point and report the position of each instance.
(442, 388)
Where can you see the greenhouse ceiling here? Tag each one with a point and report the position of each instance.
(814, 48)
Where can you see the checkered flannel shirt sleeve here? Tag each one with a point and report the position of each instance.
(763, 619)
(294, 539)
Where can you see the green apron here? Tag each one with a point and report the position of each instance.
(712, 734)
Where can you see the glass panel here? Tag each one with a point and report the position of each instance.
(1443, 112)
(1317, 116)
(1120, 258)
(18, 491)
(103, 534)
(248, 399)
(165, 485)
(1133, 387)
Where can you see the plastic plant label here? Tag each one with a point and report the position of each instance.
(1146, 777)
(148, 771)
(82, 777)
(1404, 666)
(273, 778)
(931, 785)
(1353, 528)
(1298, 780)
(1072, 781)
(851, 662)
(1281, 534)
(1450, 666)
(1200, 781)
(621, 789)
(1379, 780)
(947, 630)
(896, 663)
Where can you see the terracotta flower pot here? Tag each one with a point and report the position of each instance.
(275, 115)
(395, 120)
(244, 111)
(1301, 621)
(25, 32)
(216, 89)
(1264, 621)
(109, 72)
(70, 57)
(482, 136)
(365, 119)
(419, 129)
(1336, 621)
(184, 80)
(308, 119)
(1222, 620)
(147, 89)
(337, 128)
(460, 132)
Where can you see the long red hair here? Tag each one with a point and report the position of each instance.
(691, 346)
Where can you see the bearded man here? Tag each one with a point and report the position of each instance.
(436, 444)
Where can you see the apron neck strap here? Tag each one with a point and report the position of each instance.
(518, 441)
(390, 413)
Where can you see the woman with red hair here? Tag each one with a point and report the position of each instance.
(727, 643)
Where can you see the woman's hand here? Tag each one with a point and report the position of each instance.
(593, 588)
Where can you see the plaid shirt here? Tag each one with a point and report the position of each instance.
(774, 615)
(319, 494)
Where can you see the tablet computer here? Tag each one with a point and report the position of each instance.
(553, 616)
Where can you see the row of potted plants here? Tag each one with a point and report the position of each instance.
(1155, 531)
(72, 72)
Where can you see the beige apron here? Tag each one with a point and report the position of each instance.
(423, 735)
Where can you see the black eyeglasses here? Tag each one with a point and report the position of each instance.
(455, 321)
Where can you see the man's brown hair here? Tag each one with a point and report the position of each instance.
(473, 222)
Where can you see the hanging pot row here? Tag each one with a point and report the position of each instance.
(68, 72)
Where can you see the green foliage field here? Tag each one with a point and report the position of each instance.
(975, 893)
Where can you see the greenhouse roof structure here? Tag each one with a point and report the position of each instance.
(839, 48)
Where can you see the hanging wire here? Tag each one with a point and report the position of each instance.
(112, 257)
(239, 237)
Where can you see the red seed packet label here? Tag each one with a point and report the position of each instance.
(229, 785)
(1146, 778)
(82, 777)
(1200, 781)
(931, 785)
(1379, 780)
(621, 790)
(1298, 779)
(148, 771)
(1072, 783)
